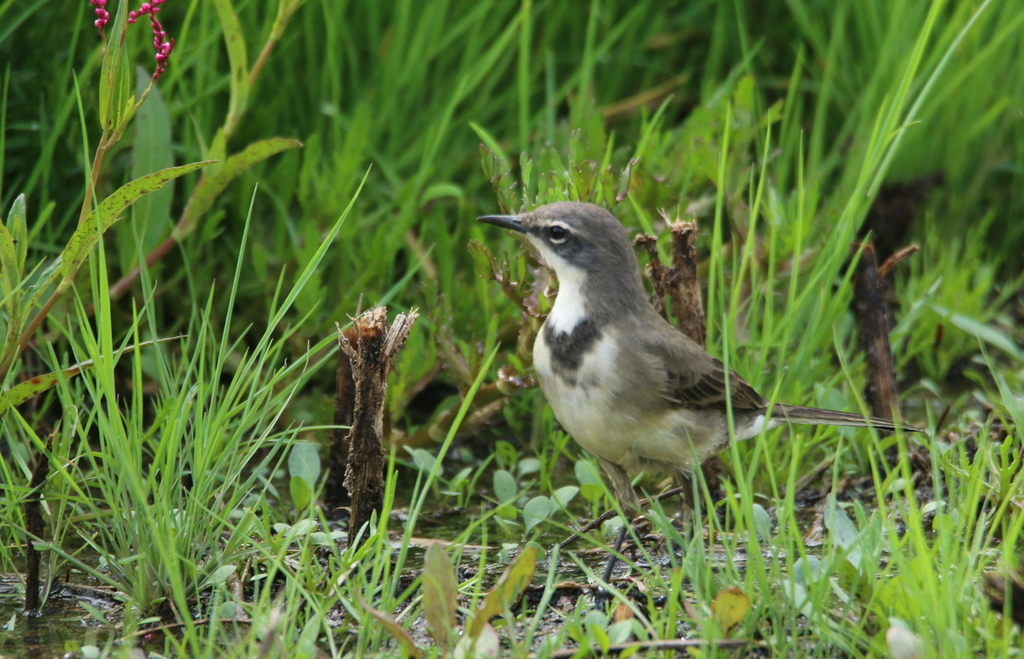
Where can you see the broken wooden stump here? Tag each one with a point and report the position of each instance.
(872, 312)
(679, 282)
(370, 347)
(335, 494)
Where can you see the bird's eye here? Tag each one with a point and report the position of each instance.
(557, 233)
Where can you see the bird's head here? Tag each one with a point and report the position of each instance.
(574, 238)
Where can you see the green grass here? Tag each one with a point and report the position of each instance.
(775, 125)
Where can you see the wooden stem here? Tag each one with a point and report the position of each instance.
(370, 357)
(873, 319)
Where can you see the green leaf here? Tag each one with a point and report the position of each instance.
(762, 522)
(218, 151)
(488, 141)
(586, 473)
(17, 225)
(592, 492)
(620, 632)
(301, 528)
(527, 466)
(115, 72)
(797, 594)
(506, 512)
(536, 511)
(506, 592)
(591, 486)
(13, 251)
(423, 459)
(301, 492)
(563, 495)
(506, 454)
(304, 462)
(439, 596)
(10, 284)
(94, 611)
(209, 187)
(151, 151)
(109, 211)
(227, 610)
(326, 539)
(806, 570)
(461, 477)
(596, 624)
(843, 531)
(238, 59)
(980, 331)
(10, 277)
(743, 101)
(854, 582)
(220, 575)
(442, 191)
(397, 632)
(505, 488)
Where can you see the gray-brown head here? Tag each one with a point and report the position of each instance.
(585, 244)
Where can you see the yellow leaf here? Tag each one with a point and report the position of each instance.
(729, 607)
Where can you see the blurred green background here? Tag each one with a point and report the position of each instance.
(396, 88)
(787, 130)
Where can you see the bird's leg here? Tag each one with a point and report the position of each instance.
(630, 504)
(683, 480)
(622, 486)
(612, 557)
(687, 483)
(603, 595)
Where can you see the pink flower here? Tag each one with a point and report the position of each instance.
(161, 44)
(102, 15)
(150, 8)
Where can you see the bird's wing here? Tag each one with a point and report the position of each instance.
(694, 379)
(708, 389)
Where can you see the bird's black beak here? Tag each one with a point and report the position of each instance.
(511, 222)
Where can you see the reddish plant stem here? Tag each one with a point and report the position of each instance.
(124, 283)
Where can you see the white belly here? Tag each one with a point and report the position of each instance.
(582, 408)
(592, 411)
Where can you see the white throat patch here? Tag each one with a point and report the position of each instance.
(569, 308)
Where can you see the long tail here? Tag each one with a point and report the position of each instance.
(818, 417)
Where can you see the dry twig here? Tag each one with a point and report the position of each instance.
(370, 348)
(679, 282)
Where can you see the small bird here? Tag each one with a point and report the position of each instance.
(629, 387)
